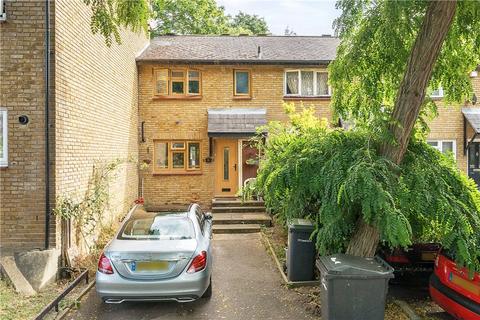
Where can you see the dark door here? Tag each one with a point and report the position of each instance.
(474, 162)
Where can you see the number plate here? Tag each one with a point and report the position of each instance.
(142, 266)
(465, 284)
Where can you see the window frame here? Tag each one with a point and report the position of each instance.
(187, 151)
(235, 93)
(315, 87)
(440, 142)
(439, 95)
(171, 150)
(170, 79)
(4, 159)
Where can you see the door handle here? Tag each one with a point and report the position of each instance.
(235, 166)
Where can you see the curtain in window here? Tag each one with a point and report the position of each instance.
(322, 83)
(292, 82)
(161, 81)
(307, 83)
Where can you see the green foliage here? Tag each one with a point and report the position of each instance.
(334, 177)
(189, 17)
(169, 16)
(89, 212)
(250, 22)
(109, 16)
(376, 41)
(202, 17)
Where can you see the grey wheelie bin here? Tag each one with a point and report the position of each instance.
(301, 250)
(353, 288)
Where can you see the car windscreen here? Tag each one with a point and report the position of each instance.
(157, 227)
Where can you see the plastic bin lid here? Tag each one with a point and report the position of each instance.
(348, 265)
(301, 224)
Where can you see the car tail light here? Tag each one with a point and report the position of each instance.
(104, 265)
(199, 263)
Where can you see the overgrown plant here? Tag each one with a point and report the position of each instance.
(89, 212)
(334, 176)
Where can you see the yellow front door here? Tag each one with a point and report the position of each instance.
(226, 167)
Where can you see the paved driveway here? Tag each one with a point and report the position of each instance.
(246, 285)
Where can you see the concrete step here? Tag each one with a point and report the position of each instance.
(242, 218)
(236, 228)
(238, 209)
(236, 203)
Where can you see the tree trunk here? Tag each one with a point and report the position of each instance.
(410, 96)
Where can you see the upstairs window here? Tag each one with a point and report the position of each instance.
(306, 83)
(176, 156)
(241, 82)
(177, 82)
(3, 138)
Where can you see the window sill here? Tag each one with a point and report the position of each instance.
(242, 98)
(295, 98)
(179, 97)
(177, 173)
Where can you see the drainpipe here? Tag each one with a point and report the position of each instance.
(47, 104)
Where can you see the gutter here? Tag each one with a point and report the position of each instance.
(141, 61)
(47, 131)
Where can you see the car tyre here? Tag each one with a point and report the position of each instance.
(208, 292)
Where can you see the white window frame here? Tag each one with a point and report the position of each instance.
(4, 159)
(439, 146)
(440, 93)
(299, 73)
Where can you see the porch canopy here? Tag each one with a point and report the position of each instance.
(235, 122)
(472, 115)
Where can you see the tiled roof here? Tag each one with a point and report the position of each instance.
(235, 120)
(241, 49)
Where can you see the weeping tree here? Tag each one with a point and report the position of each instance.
(391, 54)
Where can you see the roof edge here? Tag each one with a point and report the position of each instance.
(226, 62)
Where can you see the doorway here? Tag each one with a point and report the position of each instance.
(226, 167)
(474, 162)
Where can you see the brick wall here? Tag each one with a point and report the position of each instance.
(96, 105)
(187, 119)
(22, 183)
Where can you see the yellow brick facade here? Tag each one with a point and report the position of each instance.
(93, 115)
(448, 125)
(187, 119)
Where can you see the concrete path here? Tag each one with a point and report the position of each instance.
(246, 285)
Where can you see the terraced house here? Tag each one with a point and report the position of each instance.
(203, 97)
(184, 105)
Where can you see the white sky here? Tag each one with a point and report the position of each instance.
(305, 17)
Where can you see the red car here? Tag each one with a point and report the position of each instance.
(453, 289)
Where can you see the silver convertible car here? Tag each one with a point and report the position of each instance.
(158, 256)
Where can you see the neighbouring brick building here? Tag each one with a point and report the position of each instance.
(92, 116)
(202, 97)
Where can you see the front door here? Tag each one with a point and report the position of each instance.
(226, 167)
(473, 162)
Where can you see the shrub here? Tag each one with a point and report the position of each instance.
(333, 177)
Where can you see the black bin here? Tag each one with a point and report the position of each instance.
(301, 250)
(353, 288)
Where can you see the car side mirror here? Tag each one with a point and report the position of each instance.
(208, 216)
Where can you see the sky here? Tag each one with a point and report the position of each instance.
(304, 17)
